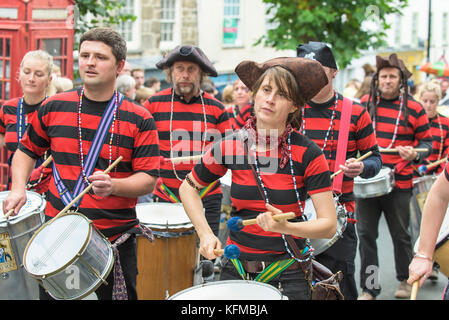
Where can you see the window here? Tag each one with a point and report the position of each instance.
(398, 30)
(169, 27)
(232, 24)
(130, 30)
(415, 25)
(444, 29)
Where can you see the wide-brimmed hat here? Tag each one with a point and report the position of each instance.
(392, 62)
(318, 51)
(191, 54)
(309, 74)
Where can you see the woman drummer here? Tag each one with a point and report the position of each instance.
(240, 110)
(429, 96)
(15, 114)
(286, 165)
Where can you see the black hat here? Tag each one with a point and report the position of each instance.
(188, 53)
(392, 62)
(318, 51)
(309, 74)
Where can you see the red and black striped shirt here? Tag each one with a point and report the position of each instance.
(187, 132)
(440, 142)
(135, 138)
(361, 138)
(241, 115)
(8, 120)
(311, 174)
(416, 132)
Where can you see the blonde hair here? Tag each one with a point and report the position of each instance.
(228, 94)
(41, 55)
(430, 86)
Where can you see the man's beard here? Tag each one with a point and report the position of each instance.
(185, 89)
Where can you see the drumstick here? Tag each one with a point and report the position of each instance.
(237, 224)
(414, 292)
(46, 162)
(396, 150)
(10, 212)
(185, 159)
(436, 163)
(231, 251)
(366, 155)
(67, 207)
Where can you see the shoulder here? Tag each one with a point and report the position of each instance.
(212, 101)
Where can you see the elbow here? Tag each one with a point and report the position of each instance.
(331, 229)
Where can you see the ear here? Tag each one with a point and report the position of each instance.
(120, 66)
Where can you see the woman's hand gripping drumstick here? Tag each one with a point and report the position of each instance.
(87, 189)
(348, 165)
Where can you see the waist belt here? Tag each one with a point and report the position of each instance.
(265, 273)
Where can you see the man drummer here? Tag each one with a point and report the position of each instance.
(68, 124)
(322, 120)
(400, 123)
(188, 120)
(433, 214)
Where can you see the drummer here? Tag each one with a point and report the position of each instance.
(241, 108)
(429, 96)
(66, 124)
(434, 211)
(35, 75)
(322, 118)
(399, 122)
(188, 121)
(287, 165)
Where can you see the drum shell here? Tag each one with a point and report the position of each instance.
(166, 265)
(17, 284)
(321, 245)
(84, 273)
(379, 185)
(230, 290)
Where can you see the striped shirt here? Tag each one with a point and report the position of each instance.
(440, 142)
(8, 120)
(317, 120)
(242, 115)
(311, 175)
(185, 127)
(56, 127)
(416, 132)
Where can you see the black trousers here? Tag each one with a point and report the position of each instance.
(341, 257)
(128, 261)
(396, 208)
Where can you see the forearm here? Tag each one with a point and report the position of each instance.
(21, 167)
(371, 165)
(133, 186)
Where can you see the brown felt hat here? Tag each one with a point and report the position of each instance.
(308, 73)
(392, 62)
(191, 54)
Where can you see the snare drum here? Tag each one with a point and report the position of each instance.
(321, 245)
(379, 185)
(421, 187)
(69, 257)
(230, 290)
(441, 254)
(15, 283)
(167, 264)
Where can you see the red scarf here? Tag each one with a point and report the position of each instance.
(281, 141)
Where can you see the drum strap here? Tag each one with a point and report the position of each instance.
(173, 198)
(119, 291)
(342, 142)
(267, 274)
(92, 156)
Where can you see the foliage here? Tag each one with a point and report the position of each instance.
(347, 25)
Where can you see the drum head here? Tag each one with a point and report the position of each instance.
(229, 289)
(56, 244)
(227, 179)
(160, 215)
(34, 204)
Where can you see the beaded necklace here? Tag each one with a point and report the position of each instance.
(440, 152)
(259, 177)
(401, 100)
(22, 119)
(326, 137)
(171, 131)
(80, 136)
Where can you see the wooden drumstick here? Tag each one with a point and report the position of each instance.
(67, 207)
(10, 212)
(414, 292)
(185, 159)
(237, 224)
(366, 155)
(394, 150)
(47, 161)
(436, 163)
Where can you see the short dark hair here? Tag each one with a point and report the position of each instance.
(110, 37)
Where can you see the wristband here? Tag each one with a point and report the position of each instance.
(421, 256)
